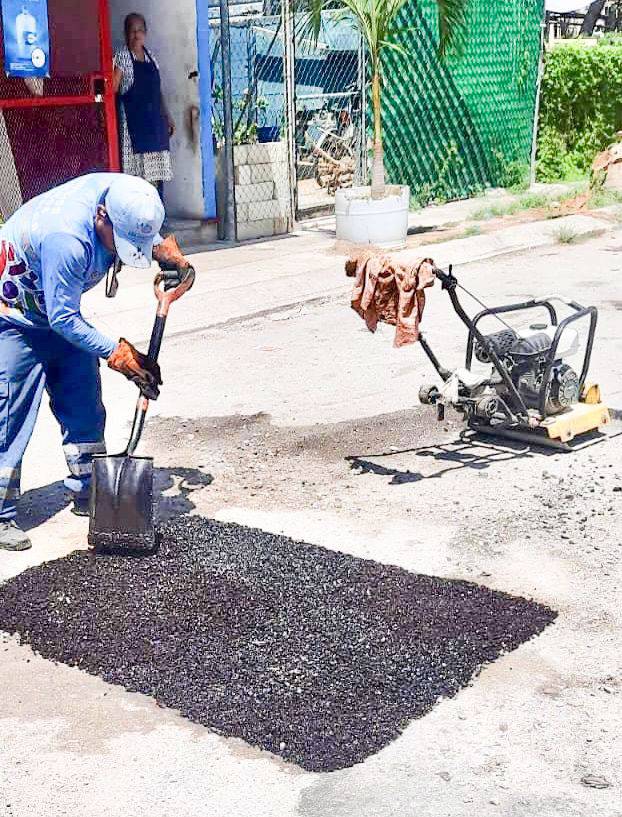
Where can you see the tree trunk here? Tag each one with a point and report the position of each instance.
(378, 186)
(591, 17)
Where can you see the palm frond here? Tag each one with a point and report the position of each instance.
(309, 17)
(451, 25)
(376, 21)
(391, 45)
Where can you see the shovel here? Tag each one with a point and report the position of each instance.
(121, 511)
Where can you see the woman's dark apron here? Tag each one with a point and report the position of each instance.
(143, 108)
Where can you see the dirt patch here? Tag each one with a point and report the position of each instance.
(390, 466)
(251, 459)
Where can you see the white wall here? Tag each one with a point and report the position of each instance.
(172, 38)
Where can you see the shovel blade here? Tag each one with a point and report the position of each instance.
(121, 505)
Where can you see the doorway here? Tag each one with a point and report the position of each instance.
(177, 37)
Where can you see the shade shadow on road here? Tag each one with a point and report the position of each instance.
(475, 455)
(173, 491)
(40, 504)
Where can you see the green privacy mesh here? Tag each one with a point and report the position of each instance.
(456, 125)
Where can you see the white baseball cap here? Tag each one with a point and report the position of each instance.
(135, 209)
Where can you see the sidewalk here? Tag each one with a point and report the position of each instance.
(253, 279)
(437, 217)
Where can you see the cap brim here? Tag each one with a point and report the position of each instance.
(133, 254)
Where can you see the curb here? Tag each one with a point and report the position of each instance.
(592, 227)
(510, 240)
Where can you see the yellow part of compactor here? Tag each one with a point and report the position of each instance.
(587, 415)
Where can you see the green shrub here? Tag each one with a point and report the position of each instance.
(532, 200)
(610, 38)
(566, 235)
(471, 230)
(605, 198)
(510, 173)
(580, 108)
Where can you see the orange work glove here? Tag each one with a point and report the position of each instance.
(137, 367)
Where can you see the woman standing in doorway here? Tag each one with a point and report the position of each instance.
(144, 121)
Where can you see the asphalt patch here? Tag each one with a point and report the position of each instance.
(309, 653)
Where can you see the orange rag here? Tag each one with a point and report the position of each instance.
(387, 292)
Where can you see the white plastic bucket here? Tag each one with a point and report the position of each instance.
(363, 220)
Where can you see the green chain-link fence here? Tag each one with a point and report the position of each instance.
(456, 125)
(452, 126)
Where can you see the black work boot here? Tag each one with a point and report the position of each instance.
(13, 537)
(80, 505)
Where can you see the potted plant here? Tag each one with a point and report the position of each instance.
(378, 213)
(249, 118)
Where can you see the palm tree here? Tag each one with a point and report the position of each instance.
(376, 20)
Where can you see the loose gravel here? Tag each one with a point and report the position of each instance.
(309, 653)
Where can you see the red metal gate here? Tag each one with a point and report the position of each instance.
(52, 130)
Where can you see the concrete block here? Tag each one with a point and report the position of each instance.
(271, 171)
(282, 187)
(266, 209)
(280, 226)
(251, 193)
(243, 174)
(241, 211)
(255, 229)
(267, 152)
(240, 155)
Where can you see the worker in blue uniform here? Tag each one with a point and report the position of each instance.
(53, 249)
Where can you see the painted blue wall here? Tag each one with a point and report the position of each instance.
(205, 96)
(256, 52)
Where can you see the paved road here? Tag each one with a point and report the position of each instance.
(301, 422)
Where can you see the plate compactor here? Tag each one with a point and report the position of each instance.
(524, 388)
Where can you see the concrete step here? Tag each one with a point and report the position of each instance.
(193, 235)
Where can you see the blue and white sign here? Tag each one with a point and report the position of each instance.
(26, 38)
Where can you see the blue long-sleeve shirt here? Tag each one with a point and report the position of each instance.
(50, 255)
(63, 262)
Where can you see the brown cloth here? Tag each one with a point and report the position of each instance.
(388, 292)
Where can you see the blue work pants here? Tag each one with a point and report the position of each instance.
(32, 360)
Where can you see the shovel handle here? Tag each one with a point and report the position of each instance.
(165, 299)
(137, 425)
(167, 296)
